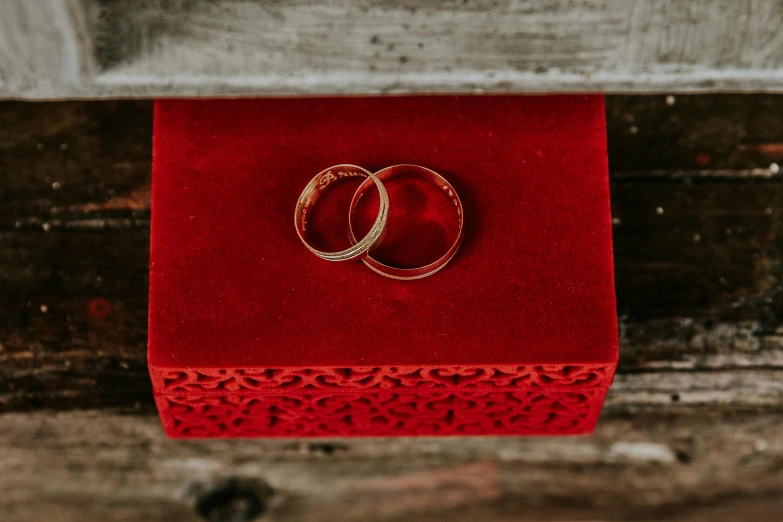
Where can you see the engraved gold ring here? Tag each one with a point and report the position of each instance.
(313, 191)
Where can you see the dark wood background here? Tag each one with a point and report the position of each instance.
(692, 429)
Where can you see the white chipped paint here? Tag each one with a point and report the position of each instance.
(642, 451)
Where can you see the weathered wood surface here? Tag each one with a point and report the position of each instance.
(692, 429)
(716, 464)
(110, 48)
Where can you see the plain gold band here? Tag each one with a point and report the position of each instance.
(405, 274)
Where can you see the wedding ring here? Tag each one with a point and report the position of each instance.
(412, 174)
(315, 189)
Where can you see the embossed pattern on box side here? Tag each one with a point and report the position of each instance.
(540, 412)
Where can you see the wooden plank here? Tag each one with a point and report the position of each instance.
(718, 135)
(695, 314)
(45, 46)
(680, 465)
(233, 47)
(710, 245)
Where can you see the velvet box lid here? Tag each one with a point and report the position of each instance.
(238, 305)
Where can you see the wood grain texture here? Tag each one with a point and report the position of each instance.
(693, 425)
(714, 464)
(45, 45)
(114, 48)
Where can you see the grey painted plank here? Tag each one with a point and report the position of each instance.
(45, 46)
(111, 48)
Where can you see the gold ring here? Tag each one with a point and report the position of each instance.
(426, 175)
(313, 192)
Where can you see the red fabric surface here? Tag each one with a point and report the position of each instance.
(231, 286)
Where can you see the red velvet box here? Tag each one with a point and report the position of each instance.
(251, 335)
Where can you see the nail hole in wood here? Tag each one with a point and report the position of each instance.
(233, 500)
(324, 448)
(682, 456)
